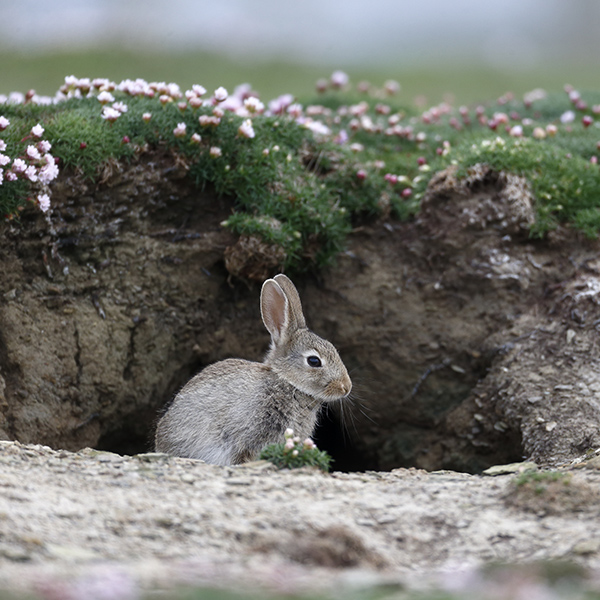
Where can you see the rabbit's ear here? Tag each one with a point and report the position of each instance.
(296, 314)
(275, 309)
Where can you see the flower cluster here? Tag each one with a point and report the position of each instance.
(35, 164)
(294, 453)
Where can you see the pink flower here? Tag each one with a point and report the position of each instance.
(48, 173)
(37, 131)
(44, 146)
(195, 139)
(516, 131)
(4, 123)
(246, 130)
(567, 117)
(339, 79)
(551, 129)
(254, 105)
(4, 160)
(220, 94)
(19, 165)
(31, 173)
(105, 97)
(120, 106)
(32, 153)
(215, 152)
(198, 90)
(586, 120)
(10, 176)
(196, 102)
(2, 145)
(180, 130)
(391, 87)
(43, 202)
(110, 114)
(147, 116)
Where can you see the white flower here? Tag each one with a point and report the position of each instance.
(31, 173)
(567, 117)
(516, 131)
(254, 105)
(4, 123)
(10, 176)
(71, 81)
(289, 433)
(1, 176)
(2, 145)
(105, 97)
(147, 116)
(196, 138)
(19, 165)
(44, 146)
(339, 79)
(221, 94)
(4, 160)
(180, 130)
(295, 453)
(289, 444)
(43, 202)
(308, 444)
(37, 131)
(356, 147)
(215, 152)
(246, 130)
(120, 106)
(48, 172)
(198, 90)
(110, 114)
(317, 127)
(33, 153)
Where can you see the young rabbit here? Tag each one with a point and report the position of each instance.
(228, 412)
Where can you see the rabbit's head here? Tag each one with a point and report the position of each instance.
(299, 356)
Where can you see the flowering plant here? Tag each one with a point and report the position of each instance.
(294, 453)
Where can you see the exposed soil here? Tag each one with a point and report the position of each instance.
(469, 343)
(97, 525)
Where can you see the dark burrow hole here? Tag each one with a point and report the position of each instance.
(339, 440)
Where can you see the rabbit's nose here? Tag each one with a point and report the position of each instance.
(346, 385)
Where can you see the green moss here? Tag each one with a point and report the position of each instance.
(305, 192)
(539, 479)
(298, 456)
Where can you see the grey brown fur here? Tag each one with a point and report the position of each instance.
(232, 409)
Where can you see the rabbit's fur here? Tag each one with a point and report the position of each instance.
(232, 409)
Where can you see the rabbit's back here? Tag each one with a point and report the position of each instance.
(229, 411)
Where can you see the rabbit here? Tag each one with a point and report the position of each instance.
(232, 409)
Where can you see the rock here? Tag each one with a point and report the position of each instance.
(511, 468)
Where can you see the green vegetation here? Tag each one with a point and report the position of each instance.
(539, 480)
(295, 453)
(303, 174)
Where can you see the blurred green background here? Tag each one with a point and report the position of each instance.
(456, 83)
(464, 51)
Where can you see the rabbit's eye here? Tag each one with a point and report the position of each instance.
(313, 361)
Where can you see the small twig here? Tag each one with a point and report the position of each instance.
(432, 369)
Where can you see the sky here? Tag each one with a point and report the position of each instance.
(502, 33)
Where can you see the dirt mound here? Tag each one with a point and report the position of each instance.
(469, 343)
